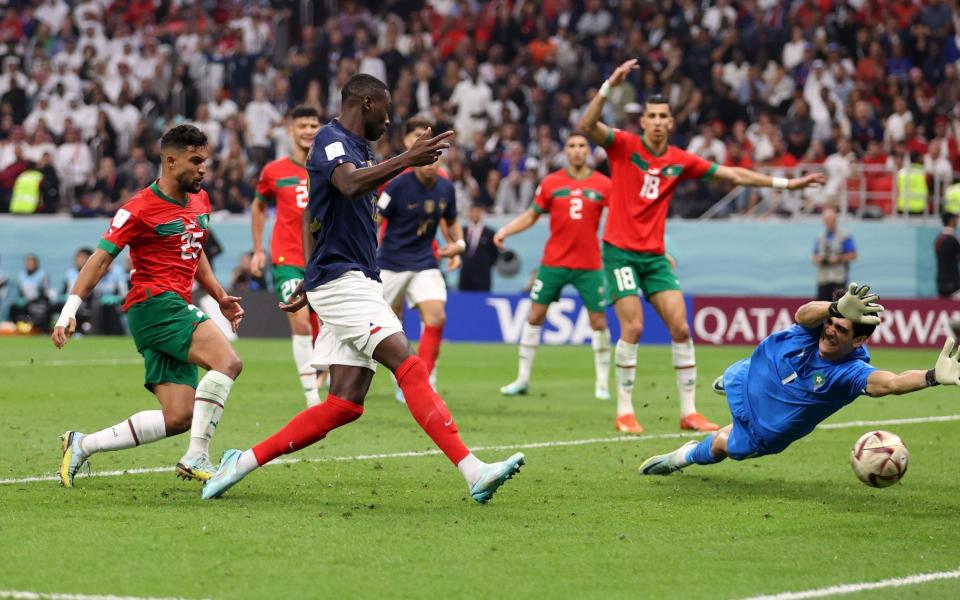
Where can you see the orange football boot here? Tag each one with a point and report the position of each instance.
(628, 424)
(697, 422)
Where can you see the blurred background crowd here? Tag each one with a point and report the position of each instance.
(866, 89)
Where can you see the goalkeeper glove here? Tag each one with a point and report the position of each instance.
(947, 370)
(857, 306)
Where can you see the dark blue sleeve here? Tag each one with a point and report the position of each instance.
(328, 152)
(450, 212)
(387, 201)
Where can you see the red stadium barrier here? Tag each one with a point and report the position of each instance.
(732, 320)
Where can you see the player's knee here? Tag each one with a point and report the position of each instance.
(232, 366)
(719, 446)
(598, 321)
(435, 319)
(633, 330)
(680, 333)
(177, 421)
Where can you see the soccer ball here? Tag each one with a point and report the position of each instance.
(879, 458)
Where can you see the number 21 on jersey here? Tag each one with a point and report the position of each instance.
(651, 186)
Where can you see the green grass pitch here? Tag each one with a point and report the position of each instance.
(578, 521)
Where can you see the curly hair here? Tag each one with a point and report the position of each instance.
(182, 137)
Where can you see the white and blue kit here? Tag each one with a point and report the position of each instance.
(342, 277)
(413, 212)
(785, 389)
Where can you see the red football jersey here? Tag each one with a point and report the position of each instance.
(165, 238)
(637, 213)
(283, 183)
(575, 207)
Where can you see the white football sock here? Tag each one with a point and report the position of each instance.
(601, 357)
(529, 340)
(247, 462)
(212, 392)
(302, 356)
(685, 363)
(626, 359)
(471, 467)
(142, 428)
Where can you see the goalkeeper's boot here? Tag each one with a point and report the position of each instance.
(73, 457)
(601, 392)
(225, 478)
(198, 467)
(628, 424)
(664, 464)
(516, 388)
(697, 422)
(718, 387)
(493, 476)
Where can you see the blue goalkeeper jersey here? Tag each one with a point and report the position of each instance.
(785, 389)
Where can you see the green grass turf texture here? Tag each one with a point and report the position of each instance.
(578, 521)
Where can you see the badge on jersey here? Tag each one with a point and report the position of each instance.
(120, 218)
(334, 150)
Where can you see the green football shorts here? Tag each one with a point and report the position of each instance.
(626, 272)
(162, 328)
(550, 282)
(286, 278)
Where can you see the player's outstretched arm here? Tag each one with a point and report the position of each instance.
(590, 121)
(90, 275)
(741, 176)
(857, 304)
(229, 305)
(522, 222)
(351, 181)
(946, 371)
(258, 219)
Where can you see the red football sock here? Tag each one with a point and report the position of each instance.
(430, 346)
(309, 426)
(428, 408)
(314, 325)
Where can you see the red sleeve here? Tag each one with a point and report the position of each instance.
(266, 192)
(542, 198)
(695, 167)
(617, 143)
(123, 228)
(606, 189)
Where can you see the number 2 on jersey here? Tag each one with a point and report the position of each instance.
(576, 206)
(303, 196)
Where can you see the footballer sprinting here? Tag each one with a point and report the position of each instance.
(798, 377)
(645, 169)
(342, 285)
(574, 198)
(165, 226)
(412, 206)
(283, 183)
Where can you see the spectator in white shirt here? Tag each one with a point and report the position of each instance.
(124, 118)
(260, 117)
(793, 50)
(43, 111)
(720, 15)
(211, 127)
(83, 115)
(222, 106)
(839, 168)
(780, 87)
(472, 98)
(707, 146)
(895, 130)
(936, 163)
(52, 12)
(594, 21)
(74, 163)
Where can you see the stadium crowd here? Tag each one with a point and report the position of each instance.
(87, 87)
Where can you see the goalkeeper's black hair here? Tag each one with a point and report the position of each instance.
(182, 137)
(859, 329)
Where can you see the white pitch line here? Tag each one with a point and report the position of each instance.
(553, 444)
(22, 595)
(853, 588)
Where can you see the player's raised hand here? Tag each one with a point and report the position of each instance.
(256, 263)
(621, 72)
(947, 370)
(426, 149)
(297, 300)
(231, 309)
(798, 183)
(60, 335)
(858, 305)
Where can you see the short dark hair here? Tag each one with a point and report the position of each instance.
(859, 329)
(946, 217)
(415, 123)
(85, 250)
(577, 133)
(304, 111)
(182, 137)
(657, 99)
(360, 86)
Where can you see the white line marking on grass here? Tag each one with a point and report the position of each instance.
(530, 445)
(21, 595)
(85, 362)
(852, 588)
